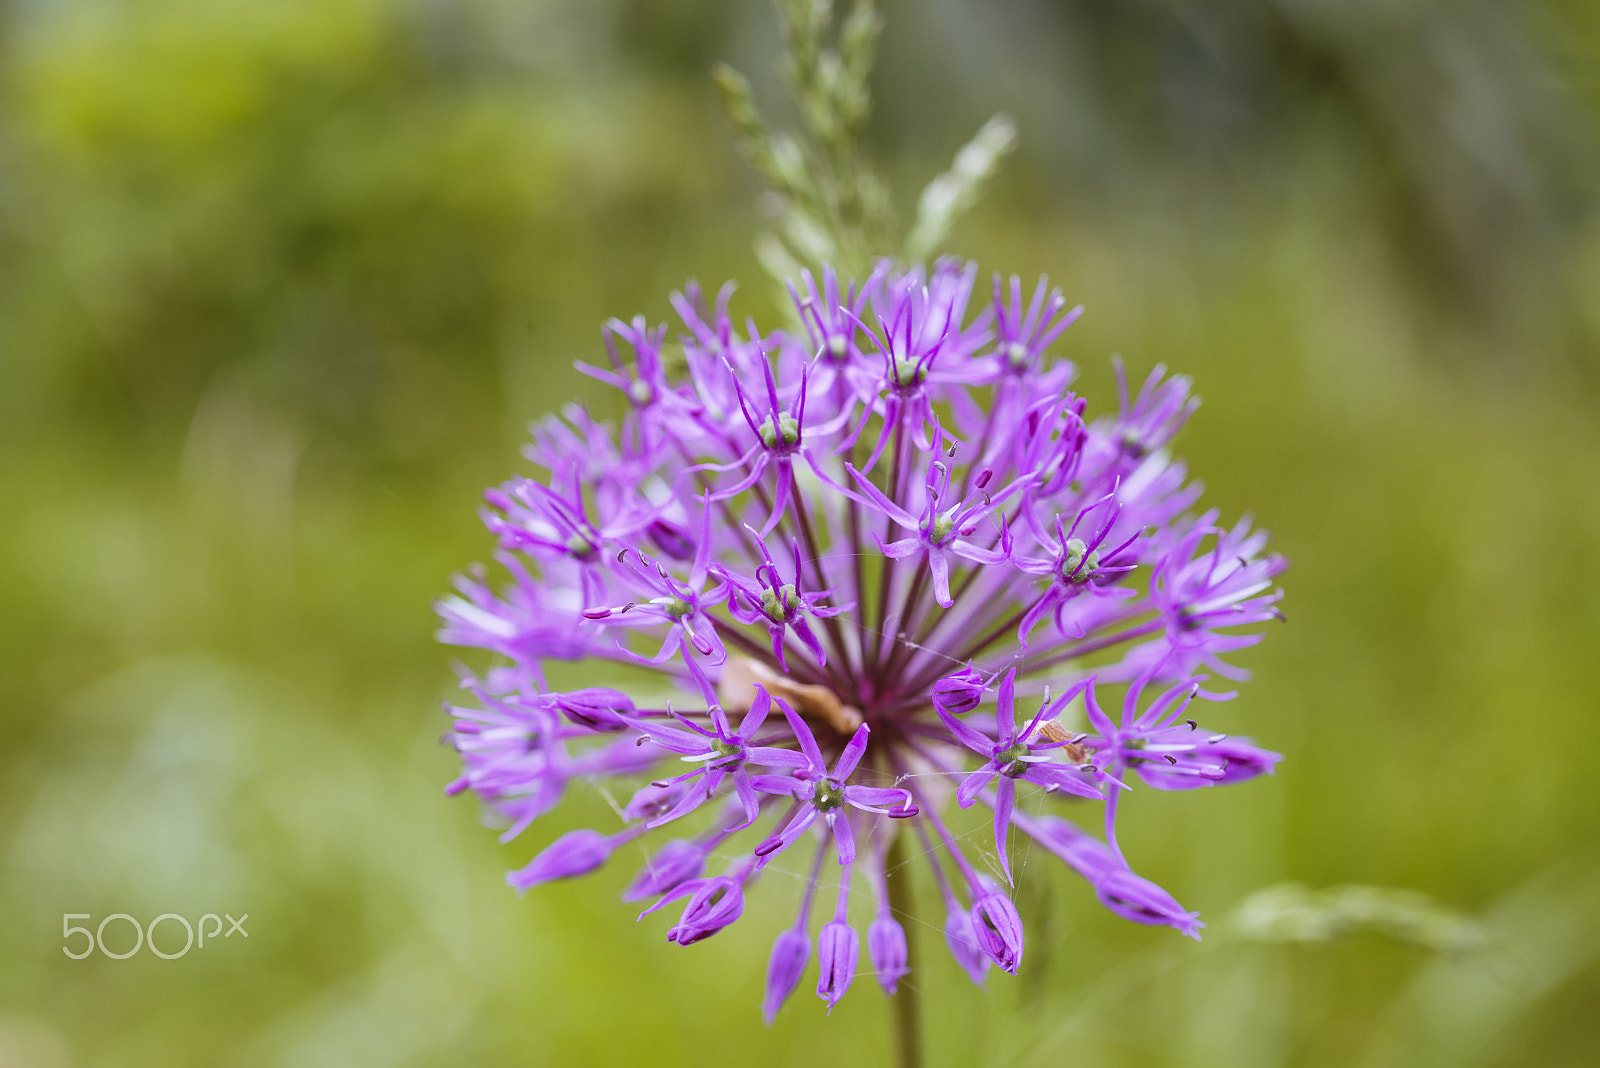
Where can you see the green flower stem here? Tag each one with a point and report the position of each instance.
(905, 1004)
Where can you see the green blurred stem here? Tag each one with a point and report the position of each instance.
(905, 1003)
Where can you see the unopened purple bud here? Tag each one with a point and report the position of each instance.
(1245, 760)
(670, 540)
(625, 756)
(1136, 898)
(963, 943)
(958, 692)
(998, 929)
(886, 945)
(674, 863)
(599, 708)
(838, 952)
(652, 799)
(790, 953)
(574, 853)
(717, 903)
(1223, 760)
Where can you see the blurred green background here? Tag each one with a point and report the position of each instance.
(282, 283)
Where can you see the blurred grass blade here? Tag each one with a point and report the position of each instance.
(778, 162)
(1292, 913)
(858, 47)
(1460, 1013)
(952, 193)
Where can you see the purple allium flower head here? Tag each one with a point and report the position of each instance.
(857, 561)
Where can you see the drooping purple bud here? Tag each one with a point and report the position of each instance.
(958, 692)
(790, 953)
(963, 943)
(674, 863)
(599, 708)
(886, 945)
(714, 904)
(574, 853)
(1136, 898)
(1128, 895)
(998, 929)
(838, 952)
(1087, 855)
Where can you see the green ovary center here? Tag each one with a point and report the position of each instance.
(908, 372)
(1077, 554)
(776, 604)
(1011, 762)
(782, 428)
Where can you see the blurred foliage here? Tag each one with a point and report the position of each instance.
(1292, 913)
(281, 283)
